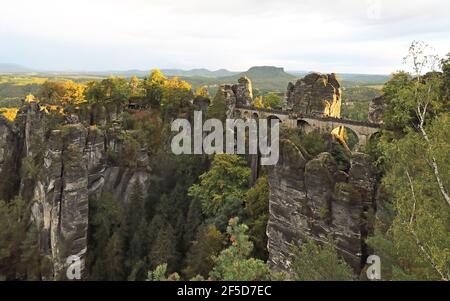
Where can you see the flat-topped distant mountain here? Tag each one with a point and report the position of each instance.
(265, 78)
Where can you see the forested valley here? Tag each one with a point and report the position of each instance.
(204, 217)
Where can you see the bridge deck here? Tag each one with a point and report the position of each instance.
(322, 118)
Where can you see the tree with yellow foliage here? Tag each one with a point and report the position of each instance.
(73, 93)
(136, 86)
(30, 98)
(9, 113)
(176, 95)
(258, 102)
(154, 87)
(202, 91)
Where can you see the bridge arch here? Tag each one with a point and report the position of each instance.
(346, 135)
(358, 131)
(374, 136)
(304, 126)
(270, 117)
(273, 117)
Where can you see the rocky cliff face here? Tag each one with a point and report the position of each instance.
(315, 94)
(61, 170)
(314, 198)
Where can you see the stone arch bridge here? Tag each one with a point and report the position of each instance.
(363, 130)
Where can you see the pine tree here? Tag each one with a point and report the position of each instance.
(234, 263)
(199, 259)
(163, 249)
(13, 218)
(257, 215)
(114, 259)
(105, 240)
(314, 262)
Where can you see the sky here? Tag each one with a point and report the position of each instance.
(353, 36)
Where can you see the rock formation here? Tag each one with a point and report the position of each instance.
(243, 91)
(68, 168)
(239, 94)
(376, 108)
(314, 198)
(315, 94)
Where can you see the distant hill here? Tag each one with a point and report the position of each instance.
(13, 68)
(264, 78)
(269, 78)
(353, 79)
(198, 72)
(168, 72)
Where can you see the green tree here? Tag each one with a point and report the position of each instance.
(257, 215)
(413, 242)
(33, 264)
(159, 274)
(112, 90)
(128, 154)
(105, 239)
(51, 91)
(194, 219)
(412, 226)
(114, 268)
(272, 101)
(234, 263)
(20, 255)
(136, 232)
(163, 249)
(218, 107)
(399, 109)
(12, 232)
(135, 207)
(222, 188)
(314, 262)
(199, 260)
(445, 87)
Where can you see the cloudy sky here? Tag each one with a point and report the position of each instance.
(361, 36)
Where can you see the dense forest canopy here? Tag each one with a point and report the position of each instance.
(203, 217)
